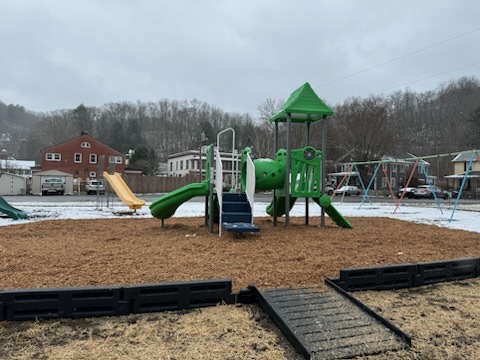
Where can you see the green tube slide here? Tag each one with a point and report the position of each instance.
(280, 206)
(269, 174)
(166, 205)
(11, 211)
(326, 204)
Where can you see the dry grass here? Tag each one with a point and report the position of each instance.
(222, 332)
(441, 318)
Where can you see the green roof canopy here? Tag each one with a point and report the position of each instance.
(304, 106)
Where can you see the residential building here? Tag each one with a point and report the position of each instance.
(460, 165)
(188, 163)
(83, 157)
(18, 167)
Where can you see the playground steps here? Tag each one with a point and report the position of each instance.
(326, 325)
(237, 213)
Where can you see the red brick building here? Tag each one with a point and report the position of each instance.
(81, 157)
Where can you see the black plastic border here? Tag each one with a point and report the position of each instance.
(399, 276)
(32, 304)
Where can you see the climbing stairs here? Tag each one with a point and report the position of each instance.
(237, 213)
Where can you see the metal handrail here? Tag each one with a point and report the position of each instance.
(250, 183)
(219, 187)
(234, 173)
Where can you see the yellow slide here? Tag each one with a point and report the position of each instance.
(123, 191)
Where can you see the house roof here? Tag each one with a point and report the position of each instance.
(85, 137)
(303, 105)
(14, 175)
(17, 164)
(52, 173)
(466, 156)
(471, 175)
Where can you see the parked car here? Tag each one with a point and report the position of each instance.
(426, 192)
(408, 192)
(94, 186)
(53, 185)
(349, 190)
(329, 190)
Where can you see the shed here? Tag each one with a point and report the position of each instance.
(12, 184)
(37, 180)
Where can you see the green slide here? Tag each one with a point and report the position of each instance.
(280, 205)
(326, 204)
(166, 205)
(12, 212)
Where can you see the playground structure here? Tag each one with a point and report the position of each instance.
(11, 211)
(292, 174)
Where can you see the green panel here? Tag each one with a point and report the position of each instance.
(303, 105)
(306, 172)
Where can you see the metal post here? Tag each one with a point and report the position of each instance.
(287, 180)
(210, 193)
(275, 148)
(324, 165)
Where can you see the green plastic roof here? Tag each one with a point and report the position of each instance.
(304, 106)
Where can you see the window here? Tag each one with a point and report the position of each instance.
(86, 145)
(53, 157)
(92, 174)
(187, 162)
(393, 183)
(181, 164)
(93, 158)
(115, 159)
(78, 157)
(384, 182)
(171, 166)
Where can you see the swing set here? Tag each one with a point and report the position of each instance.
(418, 163)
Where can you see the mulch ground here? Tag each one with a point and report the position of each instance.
(130, 251)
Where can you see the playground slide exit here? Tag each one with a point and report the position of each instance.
(270, 175)
(166, 205)
(123, 191)
(11, 211)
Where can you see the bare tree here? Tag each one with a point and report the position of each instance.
(361, 128)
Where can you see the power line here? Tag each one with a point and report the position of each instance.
(398, 58)
(428, 77)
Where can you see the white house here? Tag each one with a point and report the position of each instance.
(188, 163)
(19, 167)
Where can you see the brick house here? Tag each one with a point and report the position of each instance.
(81, 157)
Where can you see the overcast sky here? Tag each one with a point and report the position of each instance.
(231, 54)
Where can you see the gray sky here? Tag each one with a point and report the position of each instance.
(232, 54)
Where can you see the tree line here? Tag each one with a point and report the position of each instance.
(442, 120)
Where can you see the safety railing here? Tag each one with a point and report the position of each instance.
(219, 187)
(250, 182)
